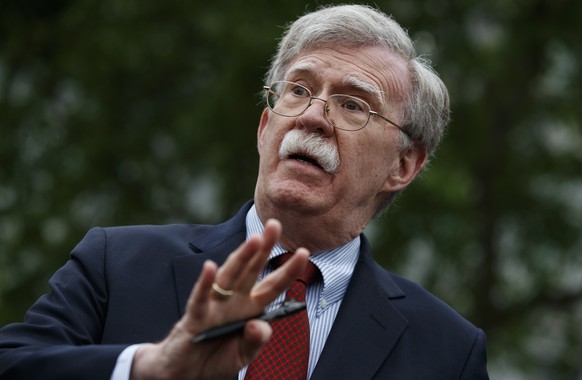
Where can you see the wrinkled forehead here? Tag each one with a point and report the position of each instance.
(349, 81)
(372, 70)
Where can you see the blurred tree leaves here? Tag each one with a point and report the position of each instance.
(127, 112)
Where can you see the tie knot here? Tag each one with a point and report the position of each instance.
(309, 276)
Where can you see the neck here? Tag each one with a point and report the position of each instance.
(315, 232)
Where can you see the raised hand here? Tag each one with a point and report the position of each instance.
(222, 295)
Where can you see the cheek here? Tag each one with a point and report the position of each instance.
(268, 140)
(372, 157)
(366, 152)
(269, 145)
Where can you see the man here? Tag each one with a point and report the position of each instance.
(352, 117)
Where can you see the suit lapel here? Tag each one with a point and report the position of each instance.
(366, 318)
(207, 243)
(367, 326)
(187, 268)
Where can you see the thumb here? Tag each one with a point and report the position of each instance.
(256, 334)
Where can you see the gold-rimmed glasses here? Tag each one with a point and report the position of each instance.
(345, 112)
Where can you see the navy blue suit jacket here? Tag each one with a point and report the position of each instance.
(127, 285)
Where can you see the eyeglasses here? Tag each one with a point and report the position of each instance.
(345, 112)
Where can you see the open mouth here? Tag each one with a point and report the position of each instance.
(310, 149)
(306, 159)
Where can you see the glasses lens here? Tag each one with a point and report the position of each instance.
(288, 98)
(348, 112)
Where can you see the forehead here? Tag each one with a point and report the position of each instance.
(309, 68)
(375, 70)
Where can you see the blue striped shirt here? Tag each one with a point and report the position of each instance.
(323, 299)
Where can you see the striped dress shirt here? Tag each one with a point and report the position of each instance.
(323, 298)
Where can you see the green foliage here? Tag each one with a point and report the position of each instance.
(126, 112)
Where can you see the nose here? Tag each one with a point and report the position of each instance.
(314, 118)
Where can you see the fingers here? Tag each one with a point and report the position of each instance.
(272, 233)
(279, 280)
(229, 273)
(239, 273)
(205, 310)
(198, 302)
(256, 334)
(270, 236)
(241, 269)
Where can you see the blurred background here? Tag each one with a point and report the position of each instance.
(118, 112)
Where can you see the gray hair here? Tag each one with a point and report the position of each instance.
(424, 110)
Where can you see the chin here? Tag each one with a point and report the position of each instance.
(297, 199)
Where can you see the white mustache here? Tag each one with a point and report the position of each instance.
(323, 151)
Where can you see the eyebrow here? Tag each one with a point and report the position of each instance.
(369, 88)
(350, 80)
(302, 67)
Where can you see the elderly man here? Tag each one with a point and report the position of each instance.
(352, 115)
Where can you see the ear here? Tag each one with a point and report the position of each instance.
(406, 169)
(262, 125)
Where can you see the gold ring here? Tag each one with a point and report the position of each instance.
(221, 293)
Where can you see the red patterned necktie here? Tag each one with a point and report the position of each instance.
(286, 355)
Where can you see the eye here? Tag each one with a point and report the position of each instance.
(300, 91)
(352, 104)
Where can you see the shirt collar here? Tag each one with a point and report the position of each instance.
(336, 265)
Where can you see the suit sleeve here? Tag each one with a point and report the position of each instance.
(61, 333)
(476, 364)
